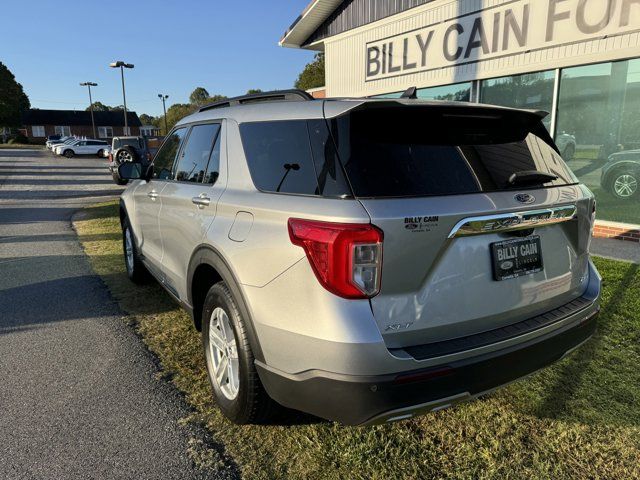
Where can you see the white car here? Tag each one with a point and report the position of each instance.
(50, 144)
(82, 147)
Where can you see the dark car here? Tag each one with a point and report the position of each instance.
(621, 173)
(127, 149)
(52, 138)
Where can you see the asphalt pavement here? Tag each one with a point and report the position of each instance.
(79, 392)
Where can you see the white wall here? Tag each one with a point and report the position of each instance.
(548, 34)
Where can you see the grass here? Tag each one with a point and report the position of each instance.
(577, 419)
(20, 146)
(616, 210)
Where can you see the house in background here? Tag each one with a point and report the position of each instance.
(39, 124)
(149, 131)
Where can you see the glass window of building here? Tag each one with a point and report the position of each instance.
(531, 90)
(459, 92)
(598, 132)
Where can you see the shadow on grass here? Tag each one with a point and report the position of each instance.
(574, 371)
(59, 237)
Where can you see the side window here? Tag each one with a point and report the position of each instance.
(163, 160)
(194, 156)
(213, 169)
(279, 156)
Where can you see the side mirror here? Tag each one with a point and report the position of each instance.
(134, 171)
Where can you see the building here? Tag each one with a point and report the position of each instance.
(39, 124)
(577, 59)
(149, 131)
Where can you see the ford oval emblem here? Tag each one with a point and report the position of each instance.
(525, 198)
(506, 265)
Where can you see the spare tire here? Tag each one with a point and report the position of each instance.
(126, 154)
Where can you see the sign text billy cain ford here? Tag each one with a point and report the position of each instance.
(500, 31)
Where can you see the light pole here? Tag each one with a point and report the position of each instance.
(164, 107)
(93, 122)
(122, 65)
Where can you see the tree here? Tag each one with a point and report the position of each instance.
(251, 91)
(13, 100)
(313, 74)
(199, 96)
(100, 107)
(147, 119)
(176, 112)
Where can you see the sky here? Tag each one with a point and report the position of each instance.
(226, 47)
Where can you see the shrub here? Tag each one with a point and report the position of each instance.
(18, 138)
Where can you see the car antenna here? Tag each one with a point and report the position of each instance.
(410, 93)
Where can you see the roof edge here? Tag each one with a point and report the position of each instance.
(308, 22)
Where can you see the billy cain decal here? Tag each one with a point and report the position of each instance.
(516, 26)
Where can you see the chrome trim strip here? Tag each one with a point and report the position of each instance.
(507, 222)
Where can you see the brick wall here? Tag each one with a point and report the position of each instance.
(619, 231)
(79, 130)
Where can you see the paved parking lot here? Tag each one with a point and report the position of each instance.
(79, 395)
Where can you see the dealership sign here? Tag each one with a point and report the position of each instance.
(516, 26)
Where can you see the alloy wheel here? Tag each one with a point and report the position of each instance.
(128, 249)
(625, 186)
(224, 354)
(124, 156)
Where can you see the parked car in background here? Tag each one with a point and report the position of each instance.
(87, 146)
(126, 149)
(567, 145)
(621, 174)
(341, 259)
(53, 138)
(52, 143)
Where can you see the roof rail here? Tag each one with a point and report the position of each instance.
(293, 95)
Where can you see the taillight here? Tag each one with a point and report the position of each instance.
(110, 157)
(346, 257)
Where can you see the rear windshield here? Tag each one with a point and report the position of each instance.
(133, 142)
(411, 151)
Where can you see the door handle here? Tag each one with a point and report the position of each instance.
(201, 200)
(152, 194)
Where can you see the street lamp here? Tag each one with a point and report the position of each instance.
(163, 98)
(122, 65)
(93, 122)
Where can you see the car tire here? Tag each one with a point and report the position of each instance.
(569, 153)
(126, 154)
(68, 153)
(136, 271)
(100, 153)
(237, 388)
(118, 180)
(624, 184)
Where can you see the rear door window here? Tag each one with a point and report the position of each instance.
(213, 168)
(194, 156)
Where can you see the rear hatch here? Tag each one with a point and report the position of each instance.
(468, 247)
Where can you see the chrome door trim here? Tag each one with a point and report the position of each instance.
(513, 221)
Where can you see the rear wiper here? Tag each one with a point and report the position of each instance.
(531, 177)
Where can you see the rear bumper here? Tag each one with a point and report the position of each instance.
(356, 400)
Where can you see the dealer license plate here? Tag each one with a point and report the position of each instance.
(517, 257)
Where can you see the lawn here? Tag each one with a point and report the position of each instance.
(577, 419)
(616, 210)
(20, 146)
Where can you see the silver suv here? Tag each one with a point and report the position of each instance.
(365, 260)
